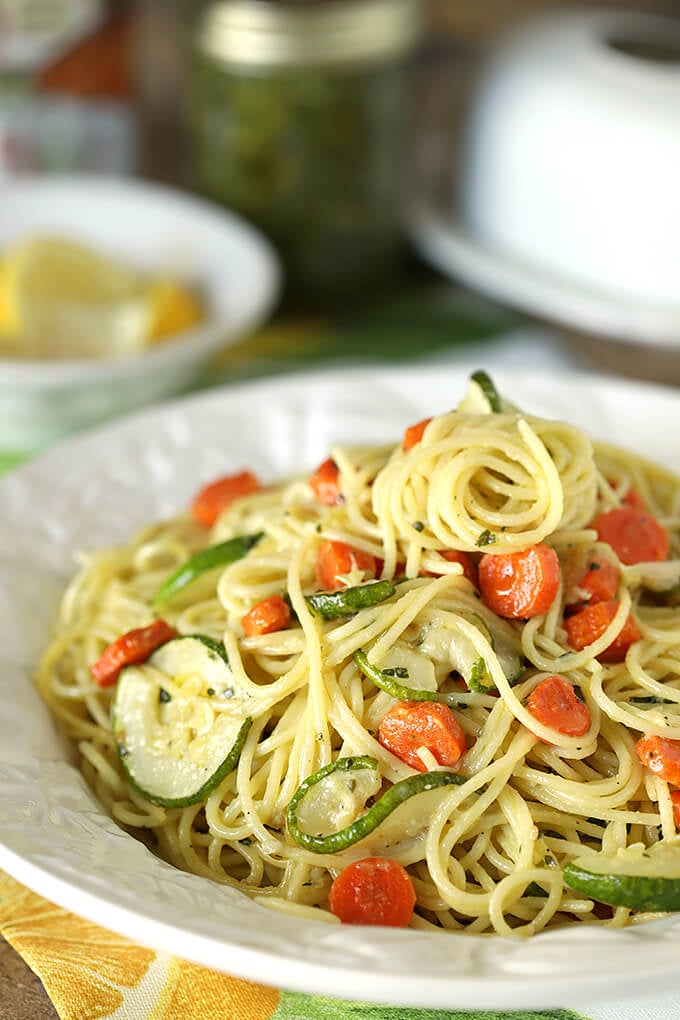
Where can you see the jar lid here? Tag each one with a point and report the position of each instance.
(256, 33)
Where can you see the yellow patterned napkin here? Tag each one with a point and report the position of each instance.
(91, 974)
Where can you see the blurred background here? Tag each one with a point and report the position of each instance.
(434, 176)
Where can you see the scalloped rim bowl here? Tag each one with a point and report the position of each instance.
(96, 490)
(157, 230)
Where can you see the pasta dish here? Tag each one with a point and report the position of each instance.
(434, 683)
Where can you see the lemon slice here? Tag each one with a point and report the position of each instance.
(60, 299)
(638, 877)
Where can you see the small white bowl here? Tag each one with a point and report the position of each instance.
(157, 230)
(572, 162)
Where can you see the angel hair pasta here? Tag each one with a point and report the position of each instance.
(435, 683)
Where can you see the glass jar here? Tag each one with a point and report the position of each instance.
(300, 119)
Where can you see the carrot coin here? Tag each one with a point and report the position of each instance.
(635, 536)
(325, 483)
(661, 756)
(586, 626)
(375, 890)
(522, 584)
(411, 725)
(554, 703)
(209, 503)
(335, 560)
(266, 616)
(129, 650)
(414, 433)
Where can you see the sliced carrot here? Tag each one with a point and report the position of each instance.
(554, 703)
(267, 616)
(467, 563)
(675, 800)
(635, 536)
(410, 725)
(522, 584)
(414, 433)
(598, 584)
(631, 497)
(209, 503)
(661, 756)
(129, 650)
(590, 623)
(634, 500)
(325, 483)
(335, 560)
(375, 890)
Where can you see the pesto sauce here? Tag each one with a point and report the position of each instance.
(316, 157)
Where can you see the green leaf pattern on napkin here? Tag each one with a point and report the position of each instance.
(293, 1006)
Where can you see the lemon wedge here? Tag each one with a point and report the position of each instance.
(60, 299)
(174, 308)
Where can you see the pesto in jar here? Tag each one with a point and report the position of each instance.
(315, 154)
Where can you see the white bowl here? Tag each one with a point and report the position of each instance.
(157, 230)
(572, 157)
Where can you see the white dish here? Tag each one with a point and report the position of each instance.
(154, 229)
(96, 489)
(571, 153)
(450, 247)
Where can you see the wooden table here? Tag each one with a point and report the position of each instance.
(22, 996)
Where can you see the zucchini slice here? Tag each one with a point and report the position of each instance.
(510, 660)
(334, 842)
(180, 721)
(443, 641)
(389, 680)
(638, 877)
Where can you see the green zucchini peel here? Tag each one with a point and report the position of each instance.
(214, 556)
(484, 381)
(331, 605)
(377, 813)
(389, 683)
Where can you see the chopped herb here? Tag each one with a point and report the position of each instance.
(418, 526)
(164, 696)
(210, 692)
(400, 672)
(551, 834)
(486, 538)
(651, 700)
